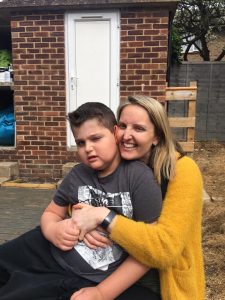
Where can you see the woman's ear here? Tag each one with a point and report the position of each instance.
(115, 129)
(155, 141)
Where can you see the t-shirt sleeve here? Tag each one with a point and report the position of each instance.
(146, 195)
(63, 195)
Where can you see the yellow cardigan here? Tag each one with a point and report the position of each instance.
(173, 245)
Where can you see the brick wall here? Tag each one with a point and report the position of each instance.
(39, 82)
(39, 89)
(144, 41)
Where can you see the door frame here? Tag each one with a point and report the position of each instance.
(70, 18)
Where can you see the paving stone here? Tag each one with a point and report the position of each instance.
(21, 209)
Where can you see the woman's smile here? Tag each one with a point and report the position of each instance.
(129, 145)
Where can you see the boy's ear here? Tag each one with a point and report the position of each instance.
(115, 129)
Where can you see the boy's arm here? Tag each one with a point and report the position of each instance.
(63, 233)
(110, 288)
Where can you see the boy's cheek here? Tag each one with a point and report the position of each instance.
(80, 155)
(116, 134)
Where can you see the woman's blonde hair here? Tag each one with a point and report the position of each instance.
(163, 156)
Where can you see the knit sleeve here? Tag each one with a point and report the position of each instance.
(160, 245)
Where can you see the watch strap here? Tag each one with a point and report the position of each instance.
(108, 219)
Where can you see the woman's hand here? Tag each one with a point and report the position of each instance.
(87, 217)
(97, 238)
(89, 293)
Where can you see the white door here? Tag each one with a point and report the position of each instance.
(92, 41)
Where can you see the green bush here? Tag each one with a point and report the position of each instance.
(176, 55)
(5, 58)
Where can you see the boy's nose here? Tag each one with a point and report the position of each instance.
(88, 147)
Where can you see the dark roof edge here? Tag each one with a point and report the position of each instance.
(26, 5)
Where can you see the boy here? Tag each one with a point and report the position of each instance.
(57, 269)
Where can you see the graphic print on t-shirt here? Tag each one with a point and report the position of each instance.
(121, 202)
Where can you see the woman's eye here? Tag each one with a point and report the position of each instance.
(121, 126)
(139, 128)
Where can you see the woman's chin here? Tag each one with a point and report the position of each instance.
(128, 155)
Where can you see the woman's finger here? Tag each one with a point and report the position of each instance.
(97, 239)
(80, 205)
(81, 236)
(88, 244)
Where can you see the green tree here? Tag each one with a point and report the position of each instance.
(176, 53)
(198, 22)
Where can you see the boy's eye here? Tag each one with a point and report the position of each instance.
(80, 143)
(96, 138)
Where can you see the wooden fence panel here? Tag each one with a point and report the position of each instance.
(188, 94)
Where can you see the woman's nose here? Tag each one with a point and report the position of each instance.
(126, 134)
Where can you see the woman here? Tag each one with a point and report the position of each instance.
(173, 245)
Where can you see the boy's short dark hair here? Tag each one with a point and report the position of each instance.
(92, 110)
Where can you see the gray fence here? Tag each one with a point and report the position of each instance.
(210, 106)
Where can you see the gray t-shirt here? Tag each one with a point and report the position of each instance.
(130, 190)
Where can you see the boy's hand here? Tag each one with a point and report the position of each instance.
(87, 217)
(90, 293)
(96, 238)
(65, 235)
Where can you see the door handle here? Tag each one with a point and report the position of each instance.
(73, 82)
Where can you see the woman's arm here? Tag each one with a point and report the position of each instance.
(160, 245)
(110, 288)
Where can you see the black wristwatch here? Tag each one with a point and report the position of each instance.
(108, 219)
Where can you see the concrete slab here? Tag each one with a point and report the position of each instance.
(65, 170)
(67, 167)
(58, 183)
(9, 169)
(3, 179)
